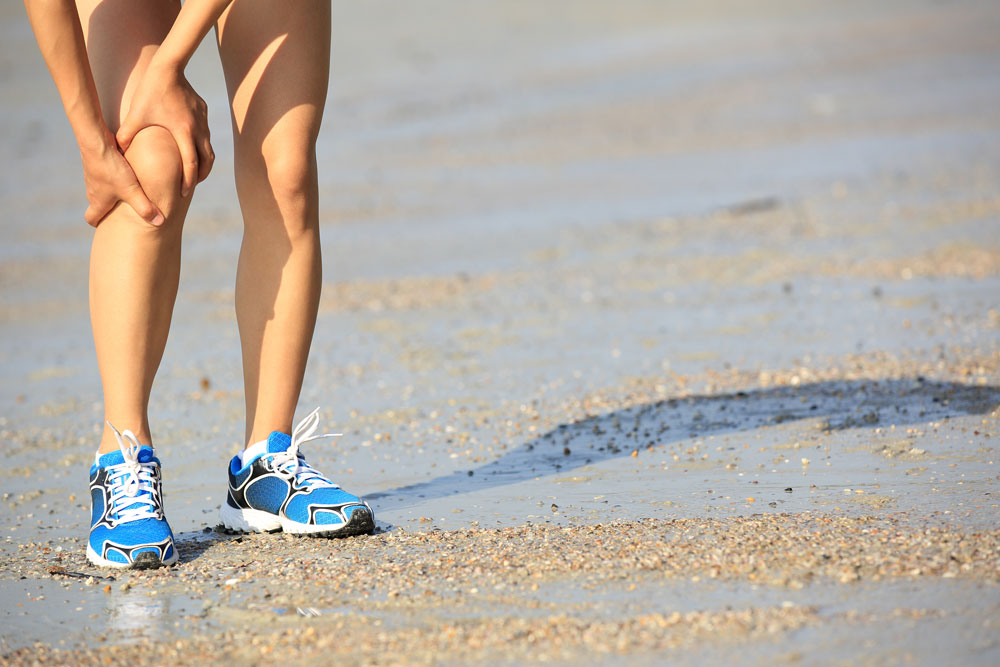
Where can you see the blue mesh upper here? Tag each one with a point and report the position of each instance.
(130, 535)
(278, 442)
(236, 475)
(127, 535)
(114, 555)
(326, 518)
(298, 506)
(266, 493)
(96, 505)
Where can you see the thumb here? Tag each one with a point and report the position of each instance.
(97, 210)
(140, 203)
(92, 215)
(126, 133)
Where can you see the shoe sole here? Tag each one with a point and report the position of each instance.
(147, 560)
(362, 522)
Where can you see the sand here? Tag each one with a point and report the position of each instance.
(655, 334)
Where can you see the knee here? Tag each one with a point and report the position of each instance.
(291, 178)
(156, 161)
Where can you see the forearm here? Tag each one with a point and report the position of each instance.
(192, 24)
(56, 24)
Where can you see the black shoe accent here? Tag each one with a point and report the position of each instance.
(147, 560)
(223, 528)
(361, 523)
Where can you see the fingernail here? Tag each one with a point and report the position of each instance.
(158, 220)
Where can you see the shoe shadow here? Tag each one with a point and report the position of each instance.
(836, 405)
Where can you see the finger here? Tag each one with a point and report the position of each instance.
(97, 211)
(93, 215)
(206, 158)
(126, 133)
(189, 162)
(137, 199)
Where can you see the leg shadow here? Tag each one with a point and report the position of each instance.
(835, 405)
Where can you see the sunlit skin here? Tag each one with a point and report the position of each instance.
(144, 143)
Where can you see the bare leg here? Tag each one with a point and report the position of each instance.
(134, 267)
(276, 60)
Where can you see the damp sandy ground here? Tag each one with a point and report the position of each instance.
(655, 333)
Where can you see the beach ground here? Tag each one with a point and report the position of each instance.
(655, 334)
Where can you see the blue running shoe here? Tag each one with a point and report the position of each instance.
(127, 528)
(271, 488)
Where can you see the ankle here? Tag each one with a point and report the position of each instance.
(254, 445)
(261, 435)
(109, 443)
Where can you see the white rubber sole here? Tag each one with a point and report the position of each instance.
(255, 521)
(248, 520)
(97, 560)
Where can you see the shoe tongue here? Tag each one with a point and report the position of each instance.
(278, 442)
(116, 458)
(110, 459)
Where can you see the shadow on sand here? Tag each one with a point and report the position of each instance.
(832, 405)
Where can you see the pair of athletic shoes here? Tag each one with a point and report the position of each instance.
(271, 488)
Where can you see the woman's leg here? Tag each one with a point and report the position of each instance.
(276, 59)
(134, 267)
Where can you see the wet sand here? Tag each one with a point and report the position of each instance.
(534, 592)
(654, 334)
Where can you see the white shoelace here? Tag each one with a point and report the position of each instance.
(291, 463)
(134, 494)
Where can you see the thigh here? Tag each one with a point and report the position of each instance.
(121, 37)
(276, 60)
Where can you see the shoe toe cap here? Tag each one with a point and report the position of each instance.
(126, 542)
(325, 506)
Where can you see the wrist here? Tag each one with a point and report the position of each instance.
(96, 140)
(167, 63)
(89, 128)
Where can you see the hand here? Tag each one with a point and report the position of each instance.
(110, 179)
(165, 98)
